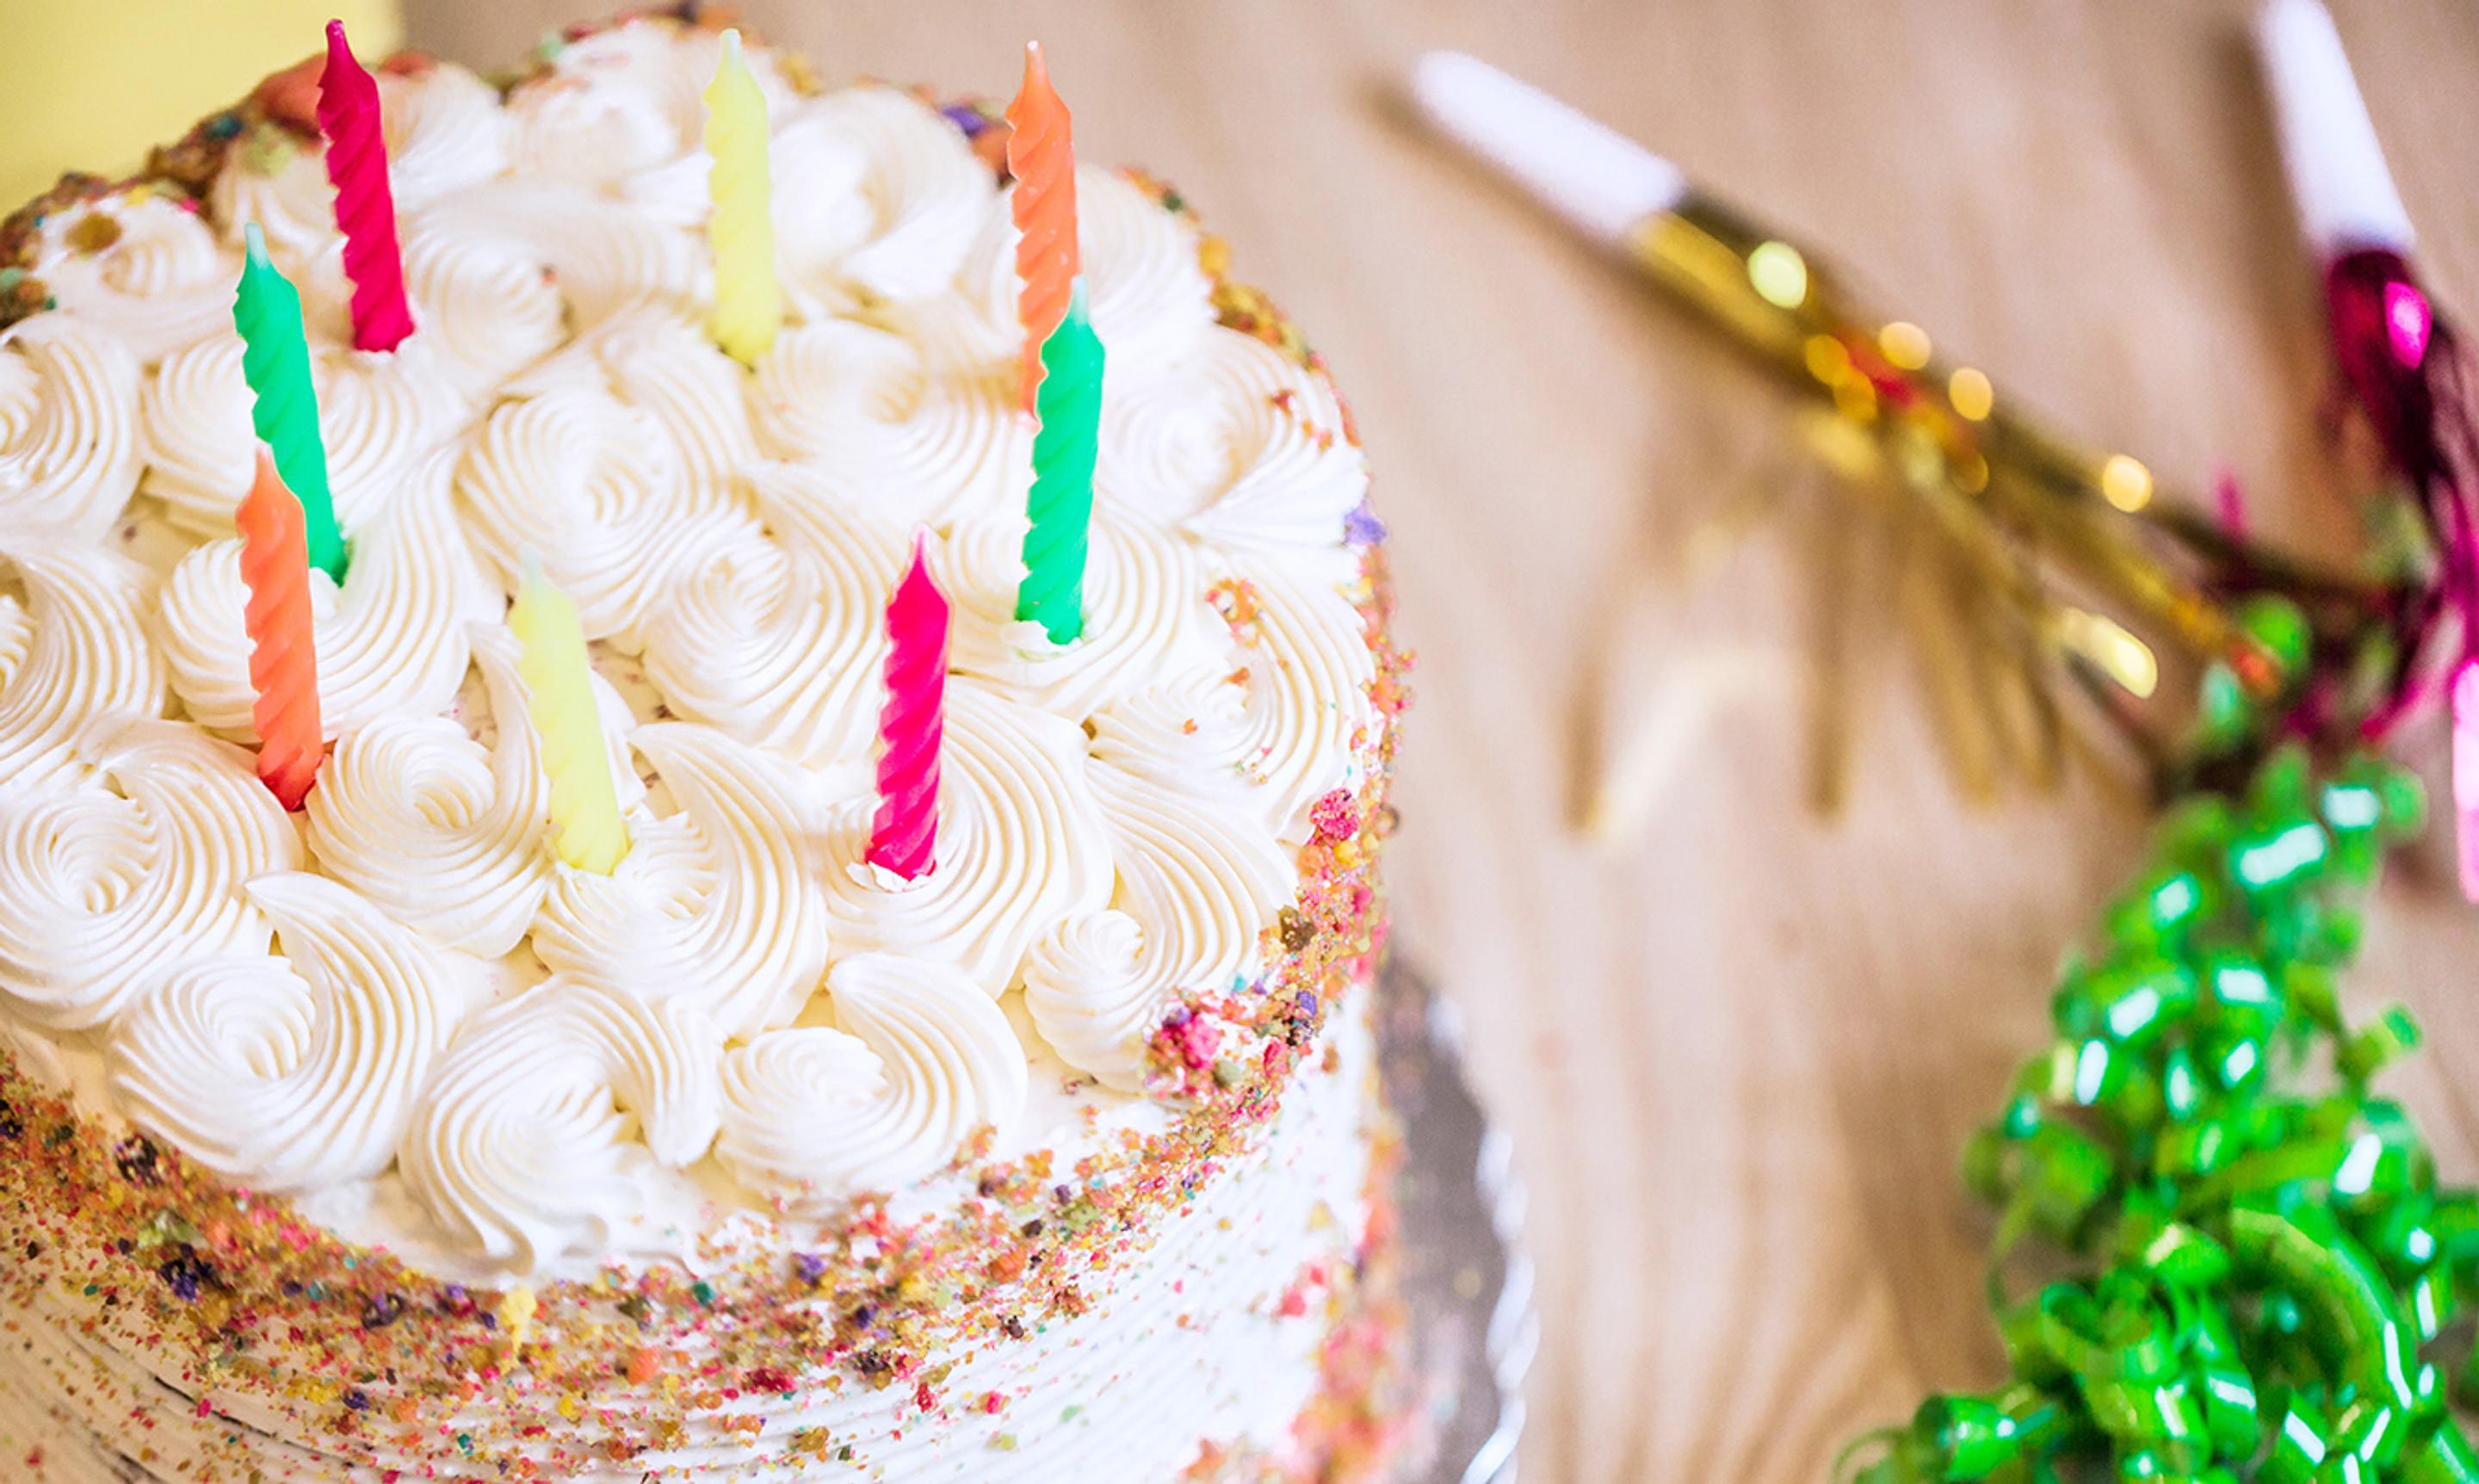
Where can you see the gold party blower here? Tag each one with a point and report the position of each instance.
(2007, 491)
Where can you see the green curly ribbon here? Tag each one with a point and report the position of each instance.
(2259, 1270)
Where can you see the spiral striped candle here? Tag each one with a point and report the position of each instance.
(1041, 156)
(284, 405)
(740, 229)
(587, 831)
(283, 653)
(357, 167)
(903, 837)
(1060, 505)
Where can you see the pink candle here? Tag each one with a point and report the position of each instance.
(357, 166)
(903, 837)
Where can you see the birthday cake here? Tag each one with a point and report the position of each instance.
(1013, 1120)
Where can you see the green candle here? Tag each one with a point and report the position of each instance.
(275, 362)
(1069, 405)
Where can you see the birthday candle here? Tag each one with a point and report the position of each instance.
(1041, 156)
(903, 837)
(357, 167)
(587, 831)
(1061, 504)
(284, 407)
(283, 656)
(740, 230)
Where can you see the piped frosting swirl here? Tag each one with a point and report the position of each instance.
(138, 868)
(919, 1056)
(72, 653)
(298, 1070)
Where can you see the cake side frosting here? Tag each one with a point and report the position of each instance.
(520, 1111)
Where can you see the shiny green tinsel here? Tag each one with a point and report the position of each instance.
(2260, 1273)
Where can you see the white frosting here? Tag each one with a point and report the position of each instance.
(891, 417)
(391, 638)
(140, 868)
(378, 414)
(532, 1134)
(1147, 621)
(876, 196)
(615, 463)
(1021, 846)
(72, 652)
(1150, 296)
(1118, 814)
(443, 129)
(1241, 447)
(443, 833)
(716, 904)
(1197, 884)
(69, 401)
(293, 1072)
(918, 1058)
(1191, 1334)
(780, 640)
(1283, 735)
(164, 283)
(624, 113)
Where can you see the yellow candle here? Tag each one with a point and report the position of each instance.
(586, 829)
(748, 301)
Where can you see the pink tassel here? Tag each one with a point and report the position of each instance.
(2403, 370)
(2229, 503)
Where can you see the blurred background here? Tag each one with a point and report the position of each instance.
(1738, 1047)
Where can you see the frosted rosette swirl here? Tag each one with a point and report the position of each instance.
(296, 1070)
(141, 868)
(1241, 447)
(68, 441)
(392, 638)
(377, 414)
(622, 113)
(1288, 730)
(1021, 846)
(1197, 884)
(447, 835)
(918, 1057)
(715, 903)
(538, 1128)
(1141, 263)
(161, 282)
(502, 273)
(74, 652)
(1148, 618)
(889, 419)
(615, 462)
(876, 196)
(779, 639)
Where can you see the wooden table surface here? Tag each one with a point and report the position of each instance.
(1740, 1056)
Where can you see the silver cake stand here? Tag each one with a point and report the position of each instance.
(1467, 1281)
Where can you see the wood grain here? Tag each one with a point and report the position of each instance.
(1741, 1056)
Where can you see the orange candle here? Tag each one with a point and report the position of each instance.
(1041, 156)
(283, 661)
